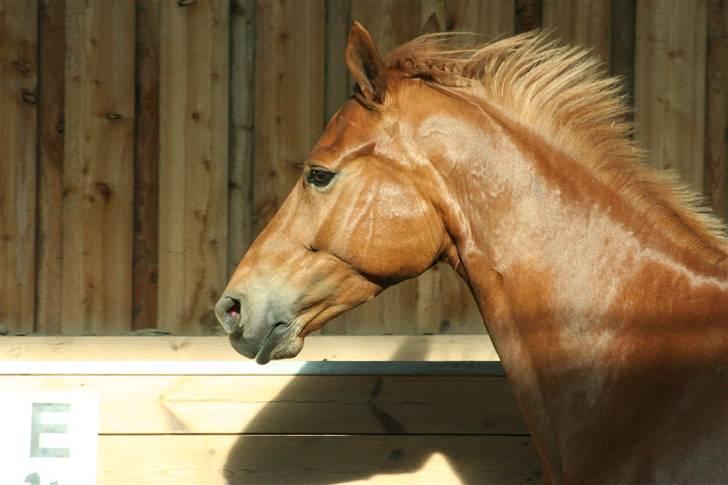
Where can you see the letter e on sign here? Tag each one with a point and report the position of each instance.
(48, 437)
(38, 427)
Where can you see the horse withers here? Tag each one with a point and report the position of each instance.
(603, 286)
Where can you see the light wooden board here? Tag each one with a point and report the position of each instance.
(193, 163)
(98, 172)
(670, 104)
(49, 280)
(242, 109)
(302, 404)
(434, 348)
(716, 142)
(146, 167)
(18, 100)
(583, 22)
(215, 459)
(289, 87)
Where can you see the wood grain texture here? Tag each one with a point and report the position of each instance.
(242, 136)
(98, 172)
(431, 348)
(394, 311)
(716, 97)
(493, 19)
(584, 22)
(306, 404)
(146, 167)
(255, 459)
(459, 314)
(18, 120)
(52, 45)
(193, 165)
(669, 103)
(289, 87)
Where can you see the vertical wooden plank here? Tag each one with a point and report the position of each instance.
(242, 102)
(390, 23)
(338, 22)
(289, 86)
(99, 151)
(492, 19)
(146, 167)
(18, 98)
(585, 22)
(459, 313)
(52, 42)
(193, 164)
(528, 15)
(669, 103)
(716, 133)
(623, 44)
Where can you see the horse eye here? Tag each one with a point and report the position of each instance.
(319, 177)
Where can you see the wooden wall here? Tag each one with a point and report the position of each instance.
(144, 144)
(198, 414)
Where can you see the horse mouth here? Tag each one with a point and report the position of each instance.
(263, 351)
(271, 341)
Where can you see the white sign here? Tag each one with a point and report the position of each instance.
(48, 437)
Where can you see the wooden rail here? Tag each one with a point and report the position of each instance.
(191, 410)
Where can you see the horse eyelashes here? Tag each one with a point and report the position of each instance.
(319, 177)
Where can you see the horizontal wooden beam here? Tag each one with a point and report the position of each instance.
(292, 404)
(317, 348)
(216, 459)
(247, 368)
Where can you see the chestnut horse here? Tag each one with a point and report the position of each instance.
(603, 287)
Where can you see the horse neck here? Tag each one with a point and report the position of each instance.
(570, 293)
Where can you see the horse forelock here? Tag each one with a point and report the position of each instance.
(564, 95)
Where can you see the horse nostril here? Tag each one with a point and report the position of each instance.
(227, 311)
(234, 310)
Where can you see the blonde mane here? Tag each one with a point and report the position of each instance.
(564, 95)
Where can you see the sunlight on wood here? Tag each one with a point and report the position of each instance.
(435, 470)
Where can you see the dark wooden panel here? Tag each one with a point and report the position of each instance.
(716, 102)
(242, 136)
(146, 167)
(18, 102)
(528, 15)
(623, 44)
(52, 46)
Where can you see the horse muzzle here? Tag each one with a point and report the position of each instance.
(260, 342)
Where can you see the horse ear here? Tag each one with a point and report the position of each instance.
(365, 63)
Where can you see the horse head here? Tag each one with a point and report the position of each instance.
(360, 218)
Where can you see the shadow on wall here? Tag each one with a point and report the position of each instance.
(326, 429)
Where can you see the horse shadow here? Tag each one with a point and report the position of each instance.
(326, 429)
